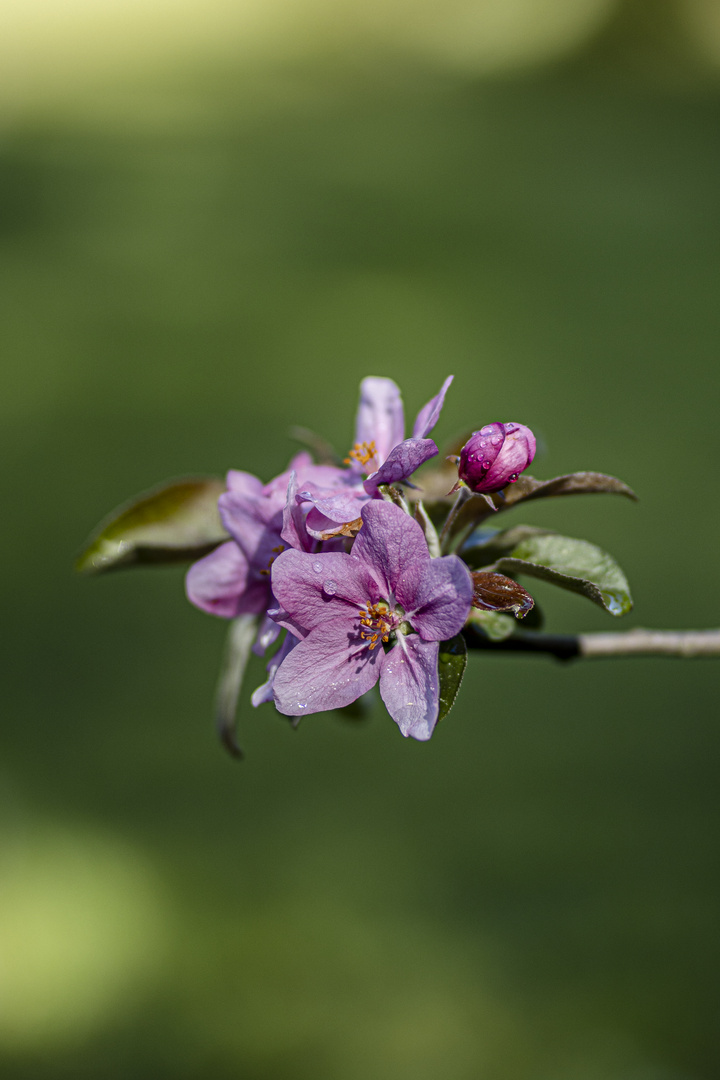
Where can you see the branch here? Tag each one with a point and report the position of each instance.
(683, 643)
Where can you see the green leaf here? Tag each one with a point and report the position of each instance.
(477, 509)
(452, 661)
(579, 483)
(176, 522)
(572, 564)
(494, 625)
(487, 545)
(240, 638)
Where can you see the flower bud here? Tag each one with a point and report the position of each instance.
(495, 456)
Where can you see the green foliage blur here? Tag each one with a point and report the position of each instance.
(533, 895)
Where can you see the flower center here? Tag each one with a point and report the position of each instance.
(377, 622)
(361, 453)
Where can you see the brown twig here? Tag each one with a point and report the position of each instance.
(682, 643)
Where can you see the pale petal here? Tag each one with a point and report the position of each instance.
(219, 584)
(390, 542)
(277, 487)
(380, 416)
(326, 670)
(244, 483)
(254, 524)
(409, 685)
(401, 463)
(323, 476)
(429, 415)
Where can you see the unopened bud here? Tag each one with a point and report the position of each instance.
(495, 456)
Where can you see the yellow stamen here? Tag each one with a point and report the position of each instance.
(376, 622)
(362, 453)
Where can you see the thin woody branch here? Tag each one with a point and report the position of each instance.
(683, 643)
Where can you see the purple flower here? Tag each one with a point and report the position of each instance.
(495, 456)
(380, 455)
(262, 520)
(345, 608)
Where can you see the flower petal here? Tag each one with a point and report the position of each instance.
(429, 415)
(389, 543)
(315, 589)
(516, 454)
(324, 528)
(219, 584)
(326, 671)
(254, 523)
(409, 685)
(307, 472)
(244, 483)
(338, 506)
(266, 636)
(293, 530)
(401, 463)
(380, 416)
(265, 692)
(437, 598)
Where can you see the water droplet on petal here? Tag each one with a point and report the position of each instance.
(486, 430)
(483, 443)
(513, 477)
(317, 567)
(329, 588)
(496, 440)
(301, 705)
(486, 464)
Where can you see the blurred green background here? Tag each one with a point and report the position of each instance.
(215, 220)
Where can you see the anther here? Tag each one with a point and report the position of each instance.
(361, 453)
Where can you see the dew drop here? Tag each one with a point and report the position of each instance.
(317, 567)
(512, 477)
(509, 428)
(301, 705)
(329, 588)
(486, 430)
(483, 443)
(496, 440)
(486, 464)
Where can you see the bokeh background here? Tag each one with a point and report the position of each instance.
(215, 219)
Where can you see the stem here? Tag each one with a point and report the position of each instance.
(462, 497)
(683, 643)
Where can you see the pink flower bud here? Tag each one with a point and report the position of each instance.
(495, 456)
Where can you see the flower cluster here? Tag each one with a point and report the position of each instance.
(334, 556)
(351, 575)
